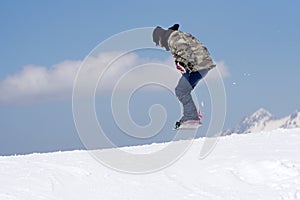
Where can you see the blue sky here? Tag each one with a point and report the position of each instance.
(258, 41)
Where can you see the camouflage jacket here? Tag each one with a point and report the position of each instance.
(186, 49)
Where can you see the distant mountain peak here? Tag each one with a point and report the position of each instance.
(295, 114)
(262, 111)
(263, 120)
(260, 114)
(292, 121)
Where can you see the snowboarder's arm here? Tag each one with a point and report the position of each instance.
(180, 46)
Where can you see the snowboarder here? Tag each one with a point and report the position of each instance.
(193, 60)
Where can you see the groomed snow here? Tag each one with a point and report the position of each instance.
(263, 165)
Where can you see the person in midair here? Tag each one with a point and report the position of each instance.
(193, 60)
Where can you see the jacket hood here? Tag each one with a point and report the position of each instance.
(160, 37)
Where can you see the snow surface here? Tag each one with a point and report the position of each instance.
(264, 165)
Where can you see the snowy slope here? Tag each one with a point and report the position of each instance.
(262, 120)
(263, 165)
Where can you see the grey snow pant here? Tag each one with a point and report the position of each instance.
(183, 90)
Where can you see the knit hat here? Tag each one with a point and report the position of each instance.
(175, 27)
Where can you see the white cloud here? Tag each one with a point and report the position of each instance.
(39, 83)
(220, 71)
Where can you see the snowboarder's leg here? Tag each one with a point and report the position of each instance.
(183, 92)
(195, 77)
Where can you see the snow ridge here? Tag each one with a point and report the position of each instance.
(263, 165)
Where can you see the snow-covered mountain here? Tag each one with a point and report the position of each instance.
(253, 166)
(262, 120)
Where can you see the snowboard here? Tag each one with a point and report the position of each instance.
(191, 124)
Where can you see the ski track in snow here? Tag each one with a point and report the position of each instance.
(263, 165)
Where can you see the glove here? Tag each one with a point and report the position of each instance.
(180, 67)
